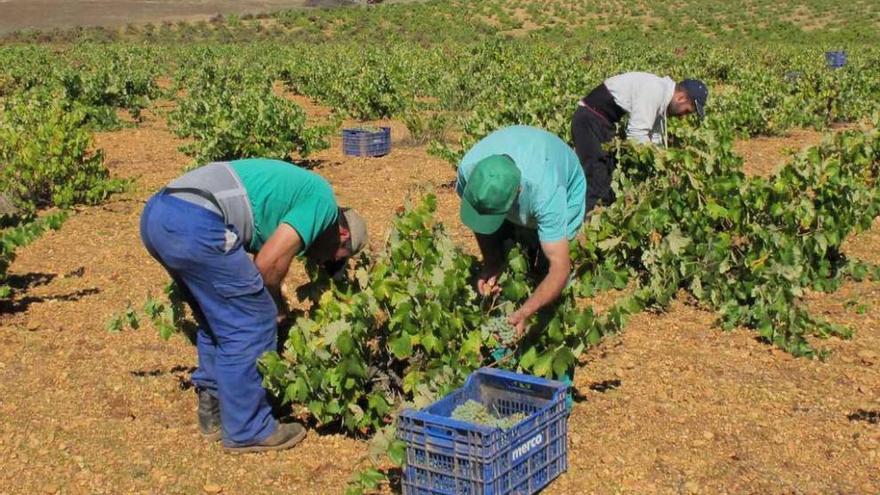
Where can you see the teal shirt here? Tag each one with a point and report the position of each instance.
(553, 183)
(280, 192)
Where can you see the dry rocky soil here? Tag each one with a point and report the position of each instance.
(49, 14)
(672, 405)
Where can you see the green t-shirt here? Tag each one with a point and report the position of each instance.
(280, 192)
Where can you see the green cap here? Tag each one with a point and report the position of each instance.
(489, 193)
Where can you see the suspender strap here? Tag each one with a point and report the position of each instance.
(198, 192)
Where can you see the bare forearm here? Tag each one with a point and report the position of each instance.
(548, 290)
(273, 272)
(274, 259)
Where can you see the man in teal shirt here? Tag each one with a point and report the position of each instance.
(516, 182)
(201, 228)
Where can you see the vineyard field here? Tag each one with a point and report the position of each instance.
(723, 326)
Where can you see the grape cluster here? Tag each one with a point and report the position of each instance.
(475, 413)
(500, 329)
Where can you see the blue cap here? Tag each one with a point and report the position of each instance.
(697, 92)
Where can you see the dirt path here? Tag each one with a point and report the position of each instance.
(672, 405)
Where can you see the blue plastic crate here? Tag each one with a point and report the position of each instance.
(835, 60)
(449, 457)
(363, 142)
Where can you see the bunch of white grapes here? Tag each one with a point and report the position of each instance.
(475, 413)
(501, 329)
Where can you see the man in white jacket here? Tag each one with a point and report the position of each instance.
(649, 100)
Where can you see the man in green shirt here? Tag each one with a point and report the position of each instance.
(201, 229)
(526, 183)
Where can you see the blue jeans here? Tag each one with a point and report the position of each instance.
(235, 312)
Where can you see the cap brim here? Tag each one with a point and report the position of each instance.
(700, 110)
(357, 230)
(481, 224)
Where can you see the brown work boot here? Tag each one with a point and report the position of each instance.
(285, 436)
(209, 415)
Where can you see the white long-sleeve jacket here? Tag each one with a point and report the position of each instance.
(645, 97)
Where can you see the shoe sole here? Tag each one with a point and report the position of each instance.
(212, 437)
(267, 448)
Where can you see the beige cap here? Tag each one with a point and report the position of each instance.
(357, 229)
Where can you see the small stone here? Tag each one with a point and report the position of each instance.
(212, 488)
(699, 443)
(51, 489)
(691, 487)
(867, 356)
(708, 435)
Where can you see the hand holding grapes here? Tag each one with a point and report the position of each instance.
(517, 320)
(487, 281)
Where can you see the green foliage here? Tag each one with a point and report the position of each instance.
(115, 85)
(366, 83)
(96, 79)
(366, 481)
(746, 247)
(406, 329)
(127, 318)
(232, 113)
(425, 128)
(22, 235)
(46, 155)
(167, 316)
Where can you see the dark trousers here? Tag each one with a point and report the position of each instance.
(589, 132)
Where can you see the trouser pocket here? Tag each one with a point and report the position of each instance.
(239, 287)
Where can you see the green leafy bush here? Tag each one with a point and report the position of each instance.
(233, 115)
(46, 153)
(407, 326)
